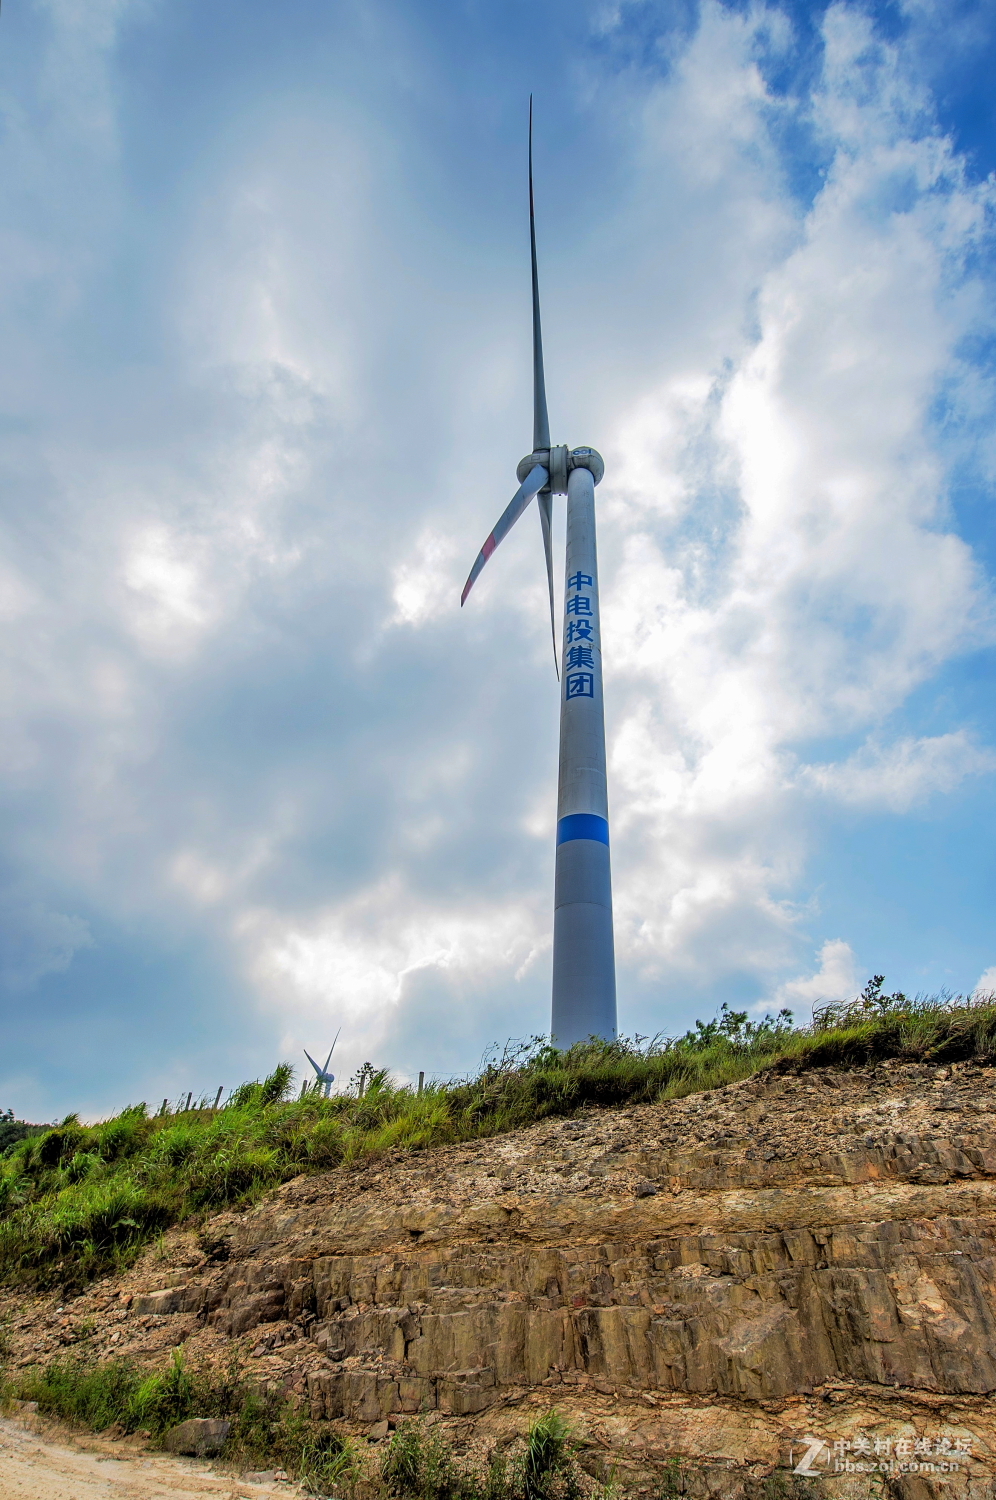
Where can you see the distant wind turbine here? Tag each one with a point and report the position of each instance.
(584, 977)
(324, 1079)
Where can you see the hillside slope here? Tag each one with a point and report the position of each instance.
(706, 1287)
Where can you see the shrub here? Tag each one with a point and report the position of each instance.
(57, 1145)
(175, 1145)
(95, 1396)
(80, 1166)
(78, 1200)
(266, 1428)
(12, 1131)
(161, 1401)
(123, 1136)
(273, 1090)
(548, 1463)
(420, 1465)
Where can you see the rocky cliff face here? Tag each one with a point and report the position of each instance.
(710, 1288)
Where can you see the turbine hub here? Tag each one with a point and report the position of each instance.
(558, 470)
(525, 465)
(558, 463)
(587, 458)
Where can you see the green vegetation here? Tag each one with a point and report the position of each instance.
(548, 1462)
(270, 1430)
(77, 1201)
(12, 1131)
(421, 1465)
(267, 1429)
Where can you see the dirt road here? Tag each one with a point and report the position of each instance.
(41, 1462)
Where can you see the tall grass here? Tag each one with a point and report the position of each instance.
(274, 1430)
(79, 1200)
(420, 1465)
(266, 1428)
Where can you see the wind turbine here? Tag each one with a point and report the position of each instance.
(325, 1079)
(584, 976)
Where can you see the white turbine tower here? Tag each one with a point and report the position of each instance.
(324, 1079)
(584, 975)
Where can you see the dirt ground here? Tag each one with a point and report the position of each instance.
(41, 1461)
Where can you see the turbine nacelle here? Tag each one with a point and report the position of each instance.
(558, 462)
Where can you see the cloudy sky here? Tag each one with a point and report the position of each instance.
(264, 384)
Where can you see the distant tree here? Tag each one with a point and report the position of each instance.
(12, 1131)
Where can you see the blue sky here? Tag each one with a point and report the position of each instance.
(264, 311)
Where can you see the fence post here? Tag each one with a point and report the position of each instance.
(189, 1097)
(421, 1081)
(217, 1097)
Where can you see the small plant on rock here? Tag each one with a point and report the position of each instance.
(673, 1481)
(549, 1465)
(419, 1465)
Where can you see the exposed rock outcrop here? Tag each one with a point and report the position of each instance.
(201, 1437)
(716, 1283)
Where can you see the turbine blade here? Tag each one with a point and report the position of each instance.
(545, 503)
(334, 1040)
(312, 1061)
(531, 485)
(541, 421)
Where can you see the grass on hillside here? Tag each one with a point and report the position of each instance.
(78, 1200)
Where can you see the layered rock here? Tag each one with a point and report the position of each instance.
(781, 1260)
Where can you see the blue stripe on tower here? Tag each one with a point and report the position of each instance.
(582, 826)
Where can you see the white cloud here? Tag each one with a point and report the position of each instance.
(262, 435)
(425, 587)
(835, 979)
(174, 603)
(899, 776)
(787, 572)
(351, 964)
(986, 983)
